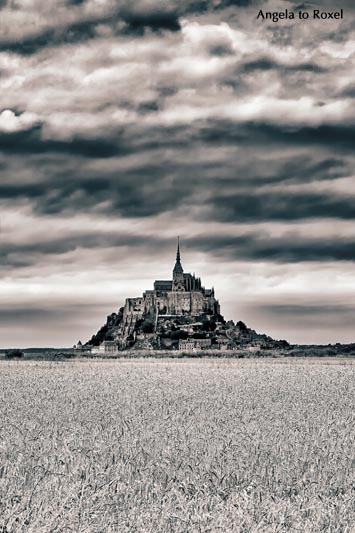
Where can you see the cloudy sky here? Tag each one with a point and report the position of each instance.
(124, 124)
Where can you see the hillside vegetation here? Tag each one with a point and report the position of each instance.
(165, 332)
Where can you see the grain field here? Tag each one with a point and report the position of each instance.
(177, 446)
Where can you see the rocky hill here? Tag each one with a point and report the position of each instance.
(206, 331)
(177, 313)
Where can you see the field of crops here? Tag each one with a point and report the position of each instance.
(177, 446)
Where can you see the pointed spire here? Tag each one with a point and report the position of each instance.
(178, 271)
(178, 250)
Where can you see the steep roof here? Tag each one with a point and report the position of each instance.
(178, 266)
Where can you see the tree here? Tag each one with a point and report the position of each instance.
(14, 353)
(198, 335)
(179, 334)
(241, 326)
(147, 326)
(99, 337)
(208, 325)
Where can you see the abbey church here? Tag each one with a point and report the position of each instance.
(182, 295)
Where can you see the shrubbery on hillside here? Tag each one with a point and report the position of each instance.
(147, 326)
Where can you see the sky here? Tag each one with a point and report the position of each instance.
(124, 124)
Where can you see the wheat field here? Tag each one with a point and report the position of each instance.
(177, 446)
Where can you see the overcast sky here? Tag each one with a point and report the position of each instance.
(125, 124)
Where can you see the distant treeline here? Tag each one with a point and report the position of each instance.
(321, 350)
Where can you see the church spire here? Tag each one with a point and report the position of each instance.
(178, 250)
(178, 272)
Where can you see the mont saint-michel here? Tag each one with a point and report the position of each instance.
(177, 314)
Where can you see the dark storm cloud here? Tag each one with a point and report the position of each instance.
(265, 63)
(20, 190)
(124, 18)
(68, 184)
(334, 136)
(133, 195)
(121, 141)
(349, 91)
(288, 249)
(127, 194)
(30, 44)
(137, 23)
(291, 248)
(349, 4)
(24, 255)
(296, 250)
(127, 20)
(301, 170)
(281, 206)
(290, 171)
(30, 141)
(148, 107)
(202, 6)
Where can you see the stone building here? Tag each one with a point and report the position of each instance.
(182, 295)
(105, 348)
(186, 344)
(194, 344)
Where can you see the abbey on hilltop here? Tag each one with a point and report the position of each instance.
(177, 314)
